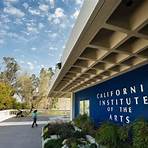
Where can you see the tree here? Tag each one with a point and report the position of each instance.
(45, 76)
(9, 75)
(6, 96)
(28, 89)
(25, 88)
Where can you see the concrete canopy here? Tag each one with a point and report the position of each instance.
(109, 38)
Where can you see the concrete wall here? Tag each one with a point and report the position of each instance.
(5, 114)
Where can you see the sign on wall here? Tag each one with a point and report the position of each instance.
(121, 100)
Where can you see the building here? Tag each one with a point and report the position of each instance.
(104, 68)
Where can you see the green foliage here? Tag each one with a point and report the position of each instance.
(107, 135)
(45, 76)
(79, 134)
(53, 144)
(84, 122)
(123, 132)
(19, 105)
(73, 142)
(64, 130)
(140, 134)
(93, 145)
(46, 133)
(6, 93)
(9, 75)
(111, 135)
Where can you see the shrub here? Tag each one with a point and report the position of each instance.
(53, 143)
(75, 142)
(107, 135)
(64, 130)
(78, 134)
(93, 145)
(45, 133)
(124, 137)
(84, 122)
(140, 134)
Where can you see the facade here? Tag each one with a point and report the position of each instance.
(122, 99)
(104, 66)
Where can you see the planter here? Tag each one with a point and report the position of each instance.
(87, 139)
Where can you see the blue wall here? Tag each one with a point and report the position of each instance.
(135, 85)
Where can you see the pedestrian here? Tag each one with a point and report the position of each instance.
(34, 116)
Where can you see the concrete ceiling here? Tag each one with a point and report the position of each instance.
(112, 41)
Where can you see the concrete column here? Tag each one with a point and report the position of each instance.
(72, 115)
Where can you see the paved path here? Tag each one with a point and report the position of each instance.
(19, 133)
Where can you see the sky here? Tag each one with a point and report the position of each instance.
(35, 32)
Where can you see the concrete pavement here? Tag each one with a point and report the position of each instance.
(19, 134)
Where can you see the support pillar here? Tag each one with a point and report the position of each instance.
(72, 114)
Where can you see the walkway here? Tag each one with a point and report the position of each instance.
(17, 133)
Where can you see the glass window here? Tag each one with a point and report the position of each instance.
(84, 107)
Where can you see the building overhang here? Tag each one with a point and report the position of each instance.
(108, 39)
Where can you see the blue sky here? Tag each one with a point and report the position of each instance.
(35, 32)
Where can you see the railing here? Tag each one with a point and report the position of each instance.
(6, 114)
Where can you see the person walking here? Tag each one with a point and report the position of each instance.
(34, 116)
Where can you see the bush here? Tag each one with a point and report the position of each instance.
(63, 130)
(107, 135)
(93, 145)
(140, 134)
(78, 134)
(45, 133)
(53, 143)
(76, 142)
(84, 122)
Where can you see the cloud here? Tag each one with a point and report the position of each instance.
(41, 25)
(32, 29)
(53, 49)
(25, 5)
(56, 21)
(52, 3)
(44, 7)
(79, 2)
(11, 1)
(76, 13)
(59, 12)
(42, 66)
(33, 49)
(53, 35)
(34, 11)
(13, 35)
(18, 21)
(31, 65)
(57, 17)
(14, 11)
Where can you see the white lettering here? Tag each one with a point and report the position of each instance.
(136, 99)
(145, 99)
(124, 91)
(141, 86)
(133, 89)
(128, 101)
(111, 93)
(117, 92)
(121, 118)
(121, 101)
(127, 120)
